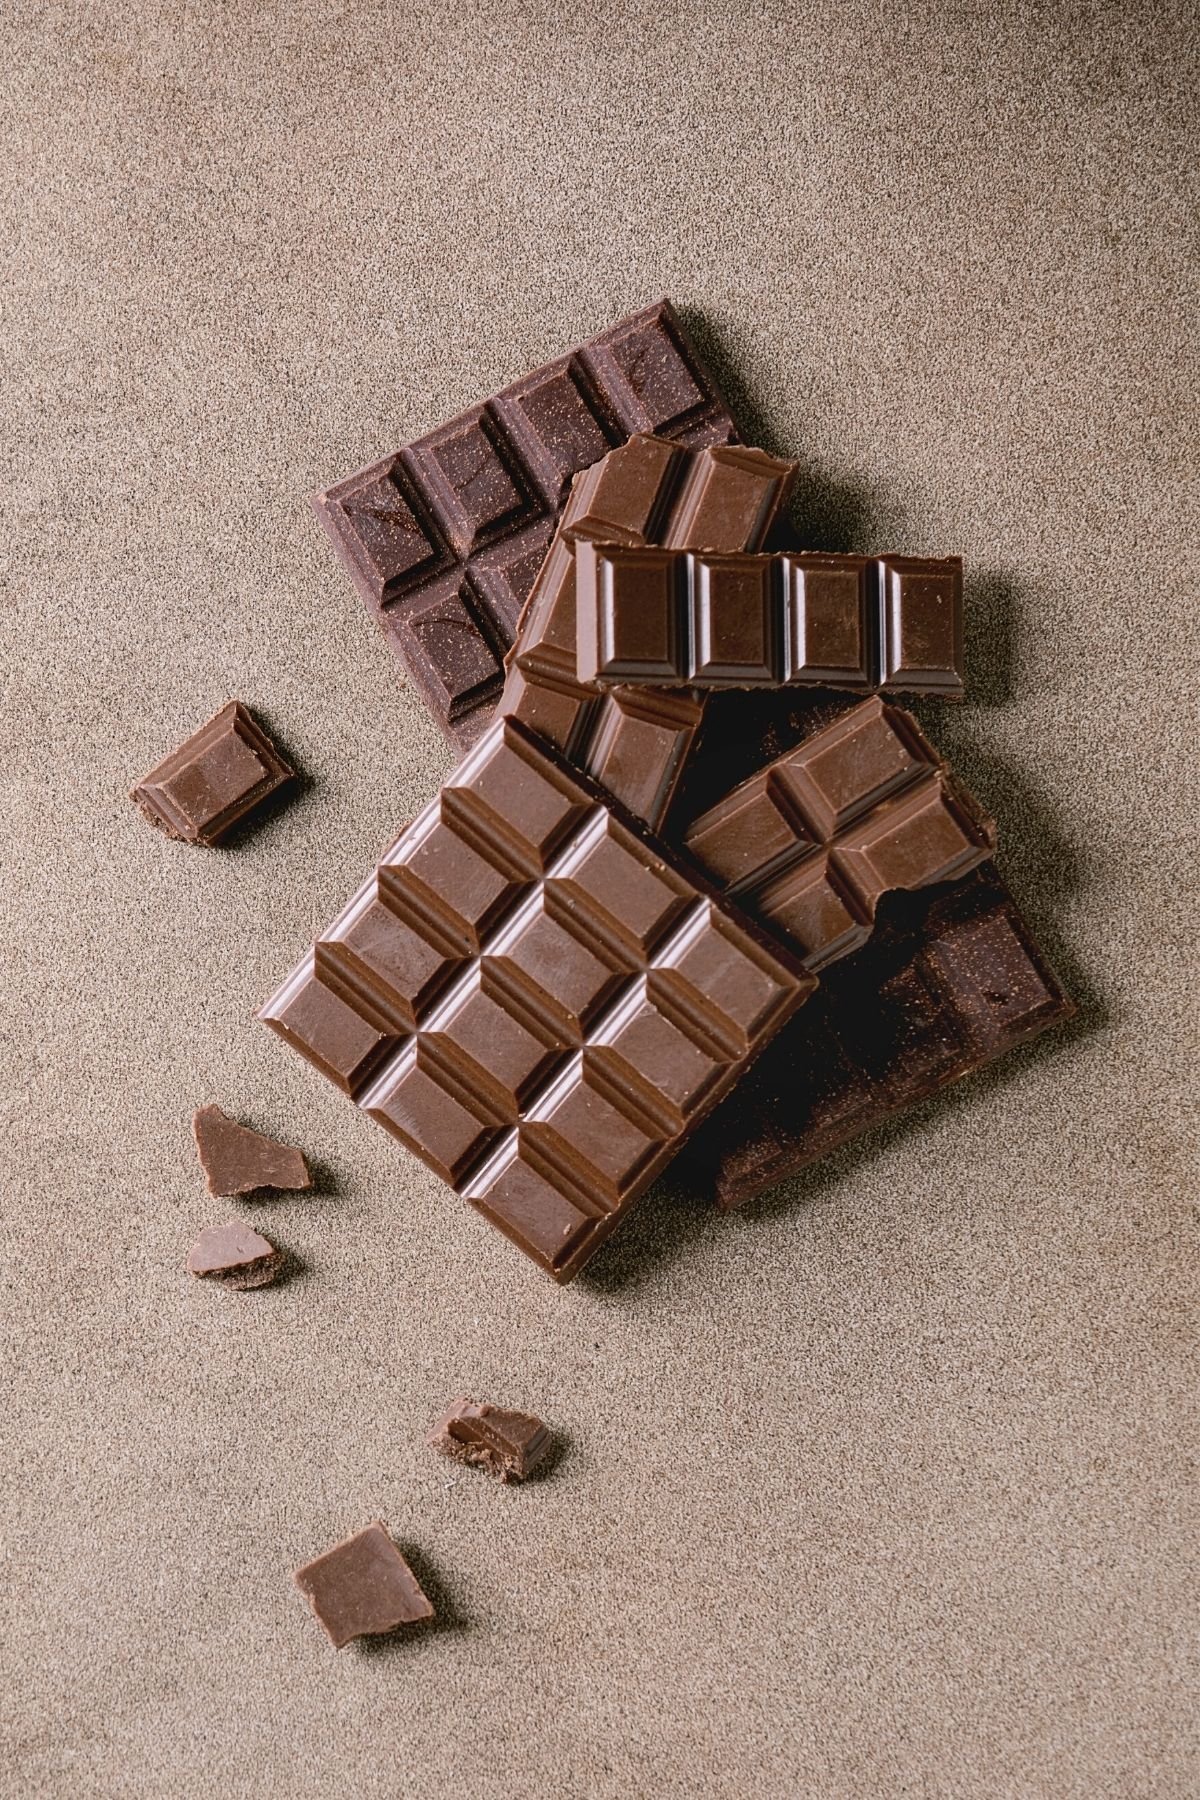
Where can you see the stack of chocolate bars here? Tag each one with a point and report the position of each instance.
(697, 886)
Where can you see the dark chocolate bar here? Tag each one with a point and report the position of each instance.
(950, 980)
(634, 742)
(539, 1000)
(219, 775)
(811, 843)
(443, 538)
(890, 624)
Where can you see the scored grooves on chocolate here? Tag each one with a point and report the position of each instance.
(443, 538)
(534, 999)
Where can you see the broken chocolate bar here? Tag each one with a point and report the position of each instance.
(223, 771)
(237, 1160)
(443, 538)
(950, 980)
(889, 624)
(812, 842)
(509, 1445)
(235, 1256)
(537, 998)
(634, 741)
(363, 1587)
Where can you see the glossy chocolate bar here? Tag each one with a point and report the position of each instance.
(950, 980)
(444, 537)
(633, 741)
(538, 1000)
(889, 624)
(811, 843)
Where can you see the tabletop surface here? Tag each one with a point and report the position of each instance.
(879, 1487)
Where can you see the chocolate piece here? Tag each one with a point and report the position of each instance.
(363, 1587)
(443, 538)
(539, 1000)
(509, 1445)
(237, 1160)
(949, 981)
(884, 623)
(812, 842)
(635, 741)
(236, 1256)
(220, 774)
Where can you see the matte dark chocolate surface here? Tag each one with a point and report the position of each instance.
(207, 786)
(538, 1000)
(239, 1160)
(444, 537)
(811, 843)
(509, 1445)
(950, 980)
(363, 1587)
(635, 742)
(890, 624)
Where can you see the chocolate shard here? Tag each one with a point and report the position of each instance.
(675, 616)
(239, 1160)
(634, 741)
(223, 772)
(509, 1445)
(363, 1587)
(236, 1256)
(538, 998)
(443, 538)
(950, 980)
(864, 807)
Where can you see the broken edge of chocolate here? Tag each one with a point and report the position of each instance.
(236, 1256)
(509, 1445)
(239, 1160)
(363, 1587)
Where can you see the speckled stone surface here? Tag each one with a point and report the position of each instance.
(884, 1486)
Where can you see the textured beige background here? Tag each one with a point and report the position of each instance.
(882, 1488)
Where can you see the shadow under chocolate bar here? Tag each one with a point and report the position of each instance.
(950, 980)
(889, 624)
(444, 537)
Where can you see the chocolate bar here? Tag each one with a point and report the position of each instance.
(538, 999)
(237, 1160)
(206, 787)
(950, 980)
(235, 1256)
(443, 538)
(633, 742)
(890, 624)
(363, 1587)
(811, 843)
(509, 1445)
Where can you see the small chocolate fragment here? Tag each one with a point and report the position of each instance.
(236, 1256)
(238, 1160)
(509, 1445)
(223, 771)
(444, 537)
(674, 617)
(363, 1587)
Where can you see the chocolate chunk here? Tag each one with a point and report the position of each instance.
(236, 1256)
(675, 617)
(538, 999)
(363, 1587)
(223, 771)
(237, 1160)
(444, 537)
(509, 1445)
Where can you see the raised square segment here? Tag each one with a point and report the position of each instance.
(728, 501)
(450, 648)
(640, 740)
(812, 842)
(831, 620)
(735, 620)
(219, 775)
(507, 1071)
(921, 629)
(479, 498)
(629, 608)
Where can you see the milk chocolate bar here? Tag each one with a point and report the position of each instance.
(443, 538)
(811, 843)
(538, 999)
(634, 742)
(950, 980)
(889, 624)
